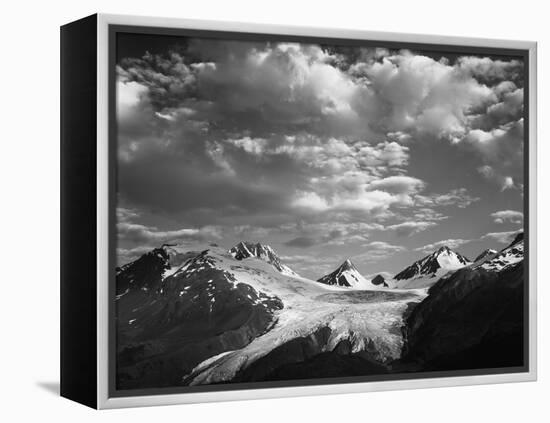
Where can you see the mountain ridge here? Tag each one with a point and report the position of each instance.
(427, 270)
(493, 289)
(246, 249)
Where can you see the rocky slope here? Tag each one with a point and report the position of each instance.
(346, 275)
(197, 312)
(379, 280)
(245, 250)
(220, 317)
(428, 270)
(472, 319)
(487, 254)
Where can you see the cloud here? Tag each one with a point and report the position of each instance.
(491, 71)
(129, 95)
(262, 87)
(126, 215)
(314, 266)
(451, 243)
(410, 228)
(399, 184)
(351, 201)
(501, 152)
(249, 139)
(149, 237)
(378, 250)
(127, 255)
(246, 128)
(249, 232)
(356, 192)
(136, 232)
(458, 197)
(301, 242)
(502, 237)
(509, 109)
(507, 216)
(331, 234)
(428, 214)
(424, 96)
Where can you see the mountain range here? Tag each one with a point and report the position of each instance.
(216, 315)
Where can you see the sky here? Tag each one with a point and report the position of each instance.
(323, 152)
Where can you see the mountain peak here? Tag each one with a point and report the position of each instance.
(247, 249)
(348, 276)
(347, 265)
(505, 258)
(518, 238)
(441, 261)
(485, 254)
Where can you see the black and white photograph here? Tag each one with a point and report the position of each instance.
(312, 211)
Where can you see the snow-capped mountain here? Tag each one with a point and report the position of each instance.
(479, 309)
(244, 250)
(150, 269)
(427, 271)
(488, 254)
(215, 316)
(195, 326)
(505, 258)
(348, 276)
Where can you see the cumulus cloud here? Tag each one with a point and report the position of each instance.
(507, 216)
(249, 138)
(501, 151)
(234, 111)
(426, 96)
(491, 71)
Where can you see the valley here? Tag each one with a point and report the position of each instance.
(240, 315)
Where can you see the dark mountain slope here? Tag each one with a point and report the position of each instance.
(306, 358)
(196, 313)
(472, 319)
(427, 271)
(379, 280)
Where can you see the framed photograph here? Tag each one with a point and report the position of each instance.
(254, 211)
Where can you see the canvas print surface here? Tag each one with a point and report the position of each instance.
(291, 211)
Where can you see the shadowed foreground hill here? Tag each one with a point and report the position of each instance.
(473, 319)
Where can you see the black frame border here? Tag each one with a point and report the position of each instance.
(78, 211)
